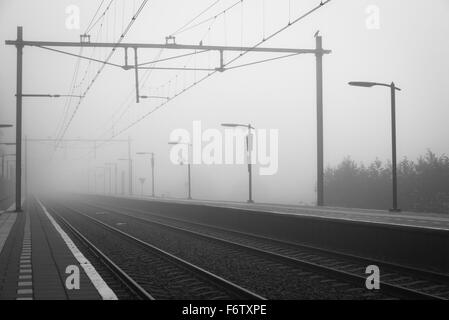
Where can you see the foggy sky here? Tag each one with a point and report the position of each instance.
(410, 48)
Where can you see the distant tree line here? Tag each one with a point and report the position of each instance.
(423, 185)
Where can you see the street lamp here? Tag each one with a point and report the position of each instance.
(249, 142)
(142, 181)
(5, 125)
(189, 145)
(152, 169)
(393, 89)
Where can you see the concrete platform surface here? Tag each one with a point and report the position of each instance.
(438, 221)
(36, 257)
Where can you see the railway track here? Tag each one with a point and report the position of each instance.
(398, 281)
(118, 280)
(115, 277)
(160, 274)
(271, 276)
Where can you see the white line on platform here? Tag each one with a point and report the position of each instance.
(103, 289)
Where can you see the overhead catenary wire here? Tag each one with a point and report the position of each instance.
(82, 57)
(73, 84)
(87, 70)
(196, 82)
(262, 61)
(103, 65)
(194, 53)
(93, 17)
(191, 54)
(303, 16)
(179, 30)
(92, 25)
(211, 18)
(130, 95)
(122, 36)
(76, 86)
(127, 105)
(173, 57)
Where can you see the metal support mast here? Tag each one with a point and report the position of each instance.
(319, 119)
(130, 162)
(19, 46)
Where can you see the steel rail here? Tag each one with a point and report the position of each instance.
(394, 289)
(210, 277)
(121, 275)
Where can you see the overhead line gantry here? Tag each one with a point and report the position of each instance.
(170, 44)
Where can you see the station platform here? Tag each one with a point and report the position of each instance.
(35, 254)
(434, 221)
(401, 238)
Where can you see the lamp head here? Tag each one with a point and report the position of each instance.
(362, 84)
(232, 125)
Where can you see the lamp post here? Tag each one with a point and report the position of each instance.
(393, 89)
(152, 170)
(142, 181)
(189, 145)
(249, 147)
